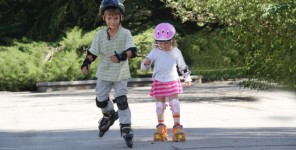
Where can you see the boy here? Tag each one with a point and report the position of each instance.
(114, 44)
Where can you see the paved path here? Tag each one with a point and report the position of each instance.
(215, 116)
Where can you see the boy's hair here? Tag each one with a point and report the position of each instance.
(174, 43)
(112, 11)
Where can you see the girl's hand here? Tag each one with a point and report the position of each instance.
(147, 61)
(188, 84)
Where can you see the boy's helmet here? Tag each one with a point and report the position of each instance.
(111, 4)
(164, 32)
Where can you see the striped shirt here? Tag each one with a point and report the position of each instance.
(104, 48)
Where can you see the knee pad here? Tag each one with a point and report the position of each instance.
(175, 105)
(121, 102)
(160, 107)
(102, 104)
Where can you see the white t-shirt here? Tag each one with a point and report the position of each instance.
(165, 64)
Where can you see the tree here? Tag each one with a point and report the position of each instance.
(263, 32)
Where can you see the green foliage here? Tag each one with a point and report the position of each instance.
(209, 50)
(143, 42)
(65, 63)
(228, 38)
(263, 32)
(211, 55)
(220, 74)
(21, 65)
(46, 19)
(26, 62)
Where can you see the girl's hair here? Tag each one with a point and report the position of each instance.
(174, 43)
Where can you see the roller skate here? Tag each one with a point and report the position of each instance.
(161, 133)
(178, 133)
(107, 121)
(127, 133)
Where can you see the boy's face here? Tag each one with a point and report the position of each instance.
(112, 19)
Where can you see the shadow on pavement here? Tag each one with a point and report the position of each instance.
(197, 138)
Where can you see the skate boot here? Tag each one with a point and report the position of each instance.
(178, 133)
(107, 121)
(161, 133)
(127, 133)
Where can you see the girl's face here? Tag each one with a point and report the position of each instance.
(112, 20)
(165, 45)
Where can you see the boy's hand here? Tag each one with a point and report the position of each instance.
(114, 59)
(119, 57)
(188, 84)
(85, 65)
(84, 70)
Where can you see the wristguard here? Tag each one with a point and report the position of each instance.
(85, 63)
(134, 51)
(121, 57)
(186, 75)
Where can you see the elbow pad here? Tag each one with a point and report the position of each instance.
(134, 51)
(94, 56)
(186, 74)
(121, 57)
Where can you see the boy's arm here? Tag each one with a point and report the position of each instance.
(131, 52)
(88, 60)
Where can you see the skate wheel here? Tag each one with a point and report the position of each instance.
(178, 138)
(183, 139)
(175, 139)
(164, 138)
(157, 137)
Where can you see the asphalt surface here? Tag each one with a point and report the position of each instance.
(218, 115)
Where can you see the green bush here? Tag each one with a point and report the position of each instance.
(143, 42)
(21, 65)
(210, 54)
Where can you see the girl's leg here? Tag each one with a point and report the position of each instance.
(160, 108)
(178, 132)
(161, 131)
(175, 108)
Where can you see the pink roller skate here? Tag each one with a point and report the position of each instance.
(161, 133)
(178, 133)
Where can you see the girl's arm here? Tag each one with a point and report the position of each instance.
(146, 64)
(183, 68)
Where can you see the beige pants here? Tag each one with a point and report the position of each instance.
(103, 89)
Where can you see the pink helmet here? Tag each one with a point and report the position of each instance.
(164, 32)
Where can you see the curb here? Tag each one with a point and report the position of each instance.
(91, 84)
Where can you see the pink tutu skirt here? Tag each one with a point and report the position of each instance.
(165, 89)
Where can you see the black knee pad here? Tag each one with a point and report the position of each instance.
(102, 104)
(121, 102)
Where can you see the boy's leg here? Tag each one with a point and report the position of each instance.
(124, 111)
(121, 100)
(103, 102)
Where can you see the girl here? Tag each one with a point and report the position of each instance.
(166, 83)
